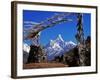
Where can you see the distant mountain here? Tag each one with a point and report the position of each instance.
(26, 49)
(54, 48)
(58, 47)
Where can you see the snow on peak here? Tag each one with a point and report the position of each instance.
(70, 42)
(58, 47)
(51, 42)
(26, 48)
(60, 37)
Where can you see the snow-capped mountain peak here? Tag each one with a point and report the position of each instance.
(57, 40)
(26, 48)
(58, 47)
(59, 37)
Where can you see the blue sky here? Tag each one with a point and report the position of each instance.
(66, 29)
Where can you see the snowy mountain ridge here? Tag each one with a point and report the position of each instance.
(58, 47)
(26, 48)
(54, 48)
